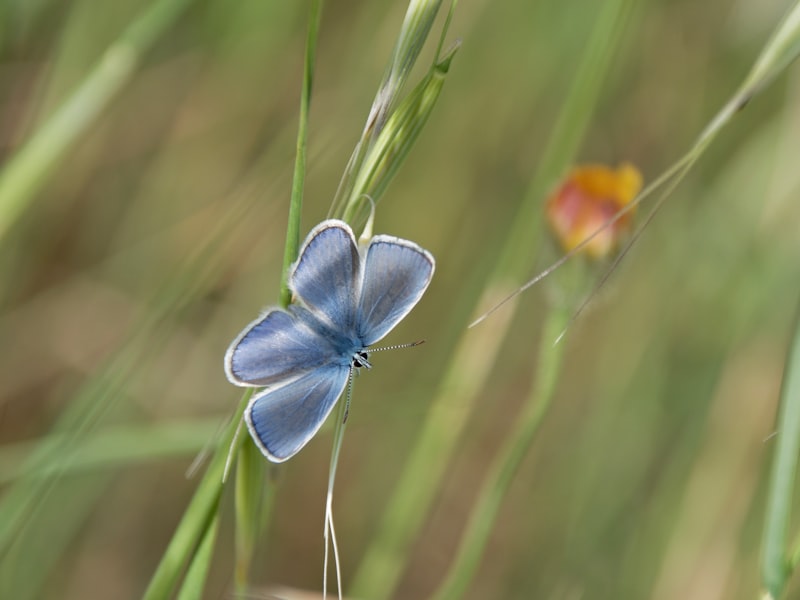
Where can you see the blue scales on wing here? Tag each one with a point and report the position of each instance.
(282, 420)
(327, 275)
(396, 274)
(277, 348)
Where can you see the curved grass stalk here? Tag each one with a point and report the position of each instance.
(195, 579)
(198, 518)
(414, 31)
(396, 139)
(390, 132)
(329, 533)
(508, 460)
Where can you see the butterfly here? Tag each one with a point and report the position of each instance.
(344, 301)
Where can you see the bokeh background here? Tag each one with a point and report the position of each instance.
(160, 235)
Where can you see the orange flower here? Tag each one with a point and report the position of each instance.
(589, 197)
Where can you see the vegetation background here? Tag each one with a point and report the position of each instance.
(160, 234)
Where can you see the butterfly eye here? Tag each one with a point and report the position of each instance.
(361, 359)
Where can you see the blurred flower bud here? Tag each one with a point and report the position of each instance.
(589, 197)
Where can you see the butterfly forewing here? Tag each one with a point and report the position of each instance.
(396, 274)
(327, 274)
(277, 347)
(282, 420)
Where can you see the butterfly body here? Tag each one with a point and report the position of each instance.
(303, 355)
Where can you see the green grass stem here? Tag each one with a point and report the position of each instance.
(198, 518)
(414, 31)
(299, 177)
(250, 468)
(777, 565)
(329, 532)
(508, 460)
(396, 139)
(195, 579)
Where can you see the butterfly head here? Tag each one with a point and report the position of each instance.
(361, 359)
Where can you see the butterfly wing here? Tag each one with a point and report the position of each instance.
(396, 274)
(282, 420)
(278, 347)
(327, 274)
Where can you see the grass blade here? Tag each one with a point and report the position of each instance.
(775, 565)
(112, 448)
(194, 582)
(413, 34)
(298, 180)
(199, 516)
(508, 460)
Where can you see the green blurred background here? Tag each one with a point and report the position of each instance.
(647, 480)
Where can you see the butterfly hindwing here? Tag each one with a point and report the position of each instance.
(396, 274)
(282, 420)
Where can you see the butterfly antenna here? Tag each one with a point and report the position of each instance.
(229, 458)
(397, 346)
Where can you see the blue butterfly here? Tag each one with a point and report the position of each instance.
(305, 355)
